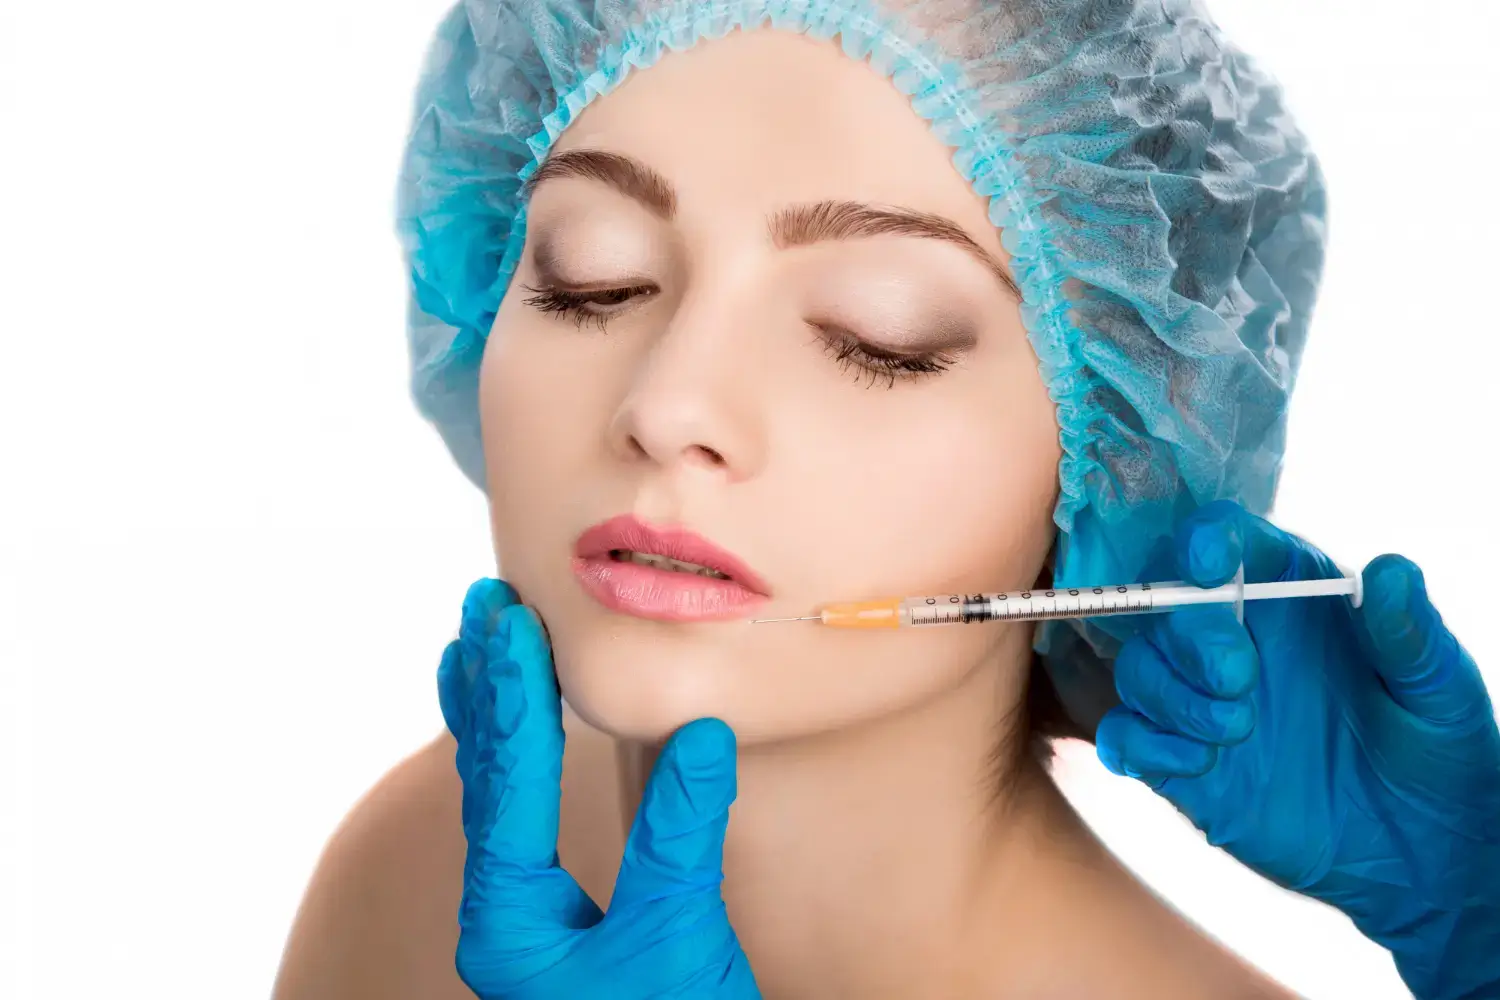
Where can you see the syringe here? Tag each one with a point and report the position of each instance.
(1069, 602)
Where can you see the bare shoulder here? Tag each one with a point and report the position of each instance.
(1139, 951)
(379, 920)
(1158, 953)
(1177, 959)
(1095, 929)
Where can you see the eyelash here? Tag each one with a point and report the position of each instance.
(561, 302)
(847, 350)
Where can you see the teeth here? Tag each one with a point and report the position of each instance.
(662, 562)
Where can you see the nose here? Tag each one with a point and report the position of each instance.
(692, 401)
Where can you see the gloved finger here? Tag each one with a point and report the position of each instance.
(451, 690)
(1421, 663)
(512, 790)
(676, 845)
(1209, 648)
(485, 599)
(464, 658)
(1209, 543)
(483, 604)
(1149, 686)
(1212, 541)
(1132, 745)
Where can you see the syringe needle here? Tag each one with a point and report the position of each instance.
(805, 618)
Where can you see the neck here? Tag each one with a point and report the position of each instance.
(860, 860)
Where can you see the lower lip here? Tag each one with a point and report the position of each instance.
(662, 595)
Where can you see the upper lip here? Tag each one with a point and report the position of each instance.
(629, 532)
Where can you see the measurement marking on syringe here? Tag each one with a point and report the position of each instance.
(1139, 598)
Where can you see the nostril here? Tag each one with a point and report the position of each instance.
(708, 455)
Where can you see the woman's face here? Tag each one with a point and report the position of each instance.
(714, 328)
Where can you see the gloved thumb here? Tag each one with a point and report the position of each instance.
(1423, 666)
(676, 846)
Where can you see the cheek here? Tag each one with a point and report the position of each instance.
(955, 499)
(979, 512)
(912, 509)
(522, 396)
(542, 422)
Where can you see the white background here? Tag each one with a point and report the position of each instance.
(232, 553)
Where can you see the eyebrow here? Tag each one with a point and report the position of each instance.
(795, 226)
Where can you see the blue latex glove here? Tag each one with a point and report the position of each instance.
(1348, 754)
(526, 928)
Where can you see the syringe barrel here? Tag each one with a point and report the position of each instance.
(1037, 605)
(1065, 602)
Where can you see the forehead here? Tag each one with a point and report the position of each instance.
(757, 120)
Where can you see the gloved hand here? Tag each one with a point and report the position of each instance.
(526, 928)
(1348, 754)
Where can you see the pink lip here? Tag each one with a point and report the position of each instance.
(663, 595)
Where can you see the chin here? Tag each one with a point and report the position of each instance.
(641, 681)
(643, 684)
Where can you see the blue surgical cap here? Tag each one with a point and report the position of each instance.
(1164, 217)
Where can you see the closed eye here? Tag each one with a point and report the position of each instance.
(595, 305)
(849, 351)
